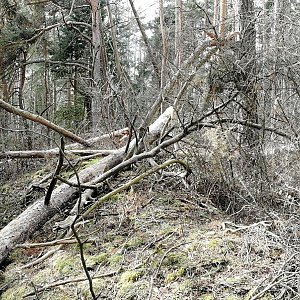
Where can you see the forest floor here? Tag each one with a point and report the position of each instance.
(155, 242)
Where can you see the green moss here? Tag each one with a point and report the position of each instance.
(133, 290)
(68, 265)
(134, 243)
(5, 188)
(97, 259)
(39, 173)
(167, 230)
(98, 285)
(90, 162)
(170, 278)
(130, 276)
(109, 237)
(115, 259)
(233, 297)
(207, 297)
(117, 197)
(236, 280)
(43, 276)
(186, 285)
(14, 293)
(127, 283)
(66, 174)
(175, 275)
(125, 287)
(213, 244)
(181, 272)
(174, 260)
(230, 245)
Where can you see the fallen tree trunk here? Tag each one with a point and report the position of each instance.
(22, 227)
(52, 153)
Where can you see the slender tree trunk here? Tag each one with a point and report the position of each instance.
(22, 73)
(99, 108)
(164, 57)
(145, 39)
(178, 33)
(114, 42)
(223, 14)
(216, 15)
(248, 67)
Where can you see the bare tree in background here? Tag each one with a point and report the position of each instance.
(100, 105)
(247, 68)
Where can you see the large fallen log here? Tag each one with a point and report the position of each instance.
(35, 216)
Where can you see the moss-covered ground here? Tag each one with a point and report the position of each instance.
(155, 245)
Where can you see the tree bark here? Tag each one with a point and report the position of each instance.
(99, 108)
(178, 33)
(223, 13)
(248, 68)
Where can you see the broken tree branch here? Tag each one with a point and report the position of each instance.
(56, 172)
(134, 181)
(38, 119)
(52, 153)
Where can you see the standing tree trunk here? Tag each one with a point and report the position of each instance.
(114, 42)
(178, 33)
(164, 57)
(223, 13)
(215, 19)
(248, 68)
(22, 73)
(145, 39)
(99, 108)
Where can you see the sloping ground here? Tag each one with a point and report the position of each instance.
(160, 245)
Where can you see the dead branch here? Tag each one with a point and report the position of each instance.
(52, 243)
(170, 86)
(56, 172)
(134, 181)
(64, 282)
(92, 141)
(38, 119)
(52, 153)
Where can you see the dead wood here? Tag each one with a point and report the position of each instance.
(23, 226)
(53, 243)
(52, 153)
(38, 119)
(56, 173)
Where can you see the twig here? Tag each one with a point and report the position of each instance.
(57, 170)
(52, 243)
(242, 227)
(134, 181)
(85, 186)
(64, 282)
(274, 281)
(159, 266)
(41, 259)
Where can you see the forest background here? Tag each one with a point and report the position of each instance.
(210, 86)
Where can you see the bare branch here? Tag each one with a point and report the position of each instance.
(38, 119)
